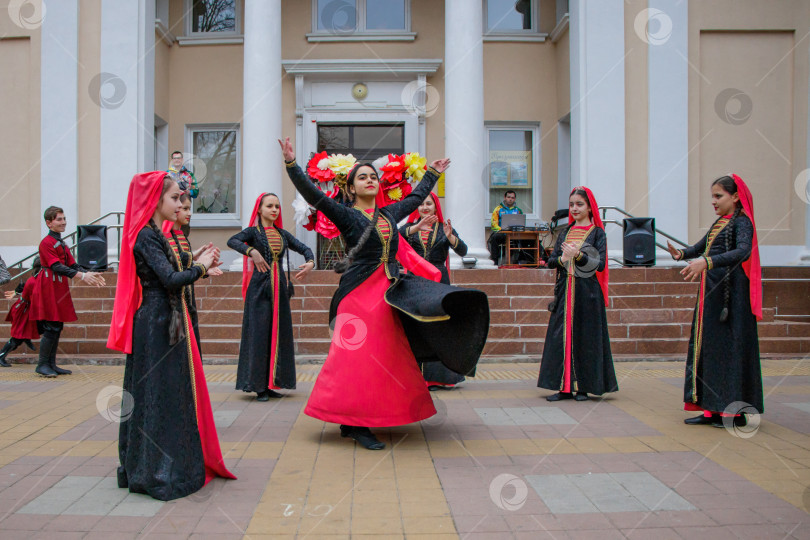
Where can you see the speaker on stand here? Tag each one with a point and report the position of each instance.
(91, 247)
(639, 241)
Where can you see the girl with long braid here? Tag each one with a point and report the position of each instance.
(576, 355)
(723, 374)
(167, 444)
(380, 317)
(266, 354)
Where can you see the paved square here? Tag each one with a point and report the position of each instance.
(496, 461)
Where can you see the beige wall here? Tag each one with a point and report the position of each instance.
(757, 49)
(19, 133)
(636, 107)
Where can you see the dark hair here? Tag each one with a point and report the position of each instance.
(51, 212)
(185, 197)
(36, 266)
(353, 173)
(176, 329)
(729, 186)
(176, 152)
(508, 191)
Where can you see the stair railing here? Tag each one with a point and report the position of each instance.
(118, 226)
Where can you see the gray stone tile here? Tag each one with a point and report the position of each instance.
(61, 495)
(494, 416)
(523, 416)
(224, 418)
(805, 406)
(560, 494)
(137, 505)
(606, 494)
(100, 500)
(553, 415)
(651, 492)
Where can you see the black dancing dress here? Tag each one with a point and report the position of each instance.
(723, 364)
(576, 352)
(266, 354)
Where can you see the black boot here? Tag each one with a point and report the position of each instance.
(6, 349)
(559, 396)
(702, 420)
(363, 435)
(46, 345)
(54, 367)
(29, 344)
(581, 396)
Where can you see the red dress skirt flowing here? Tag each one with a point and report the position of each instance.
(370, 377)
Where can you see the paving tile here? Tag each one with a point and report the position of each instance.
(61, 496)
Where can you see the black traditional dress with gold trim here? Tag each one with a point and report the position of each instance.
(380, 317)
(187, 258)
(723, 364)
(168, 445)
(576, 353)
(267, 350)
(433, 245)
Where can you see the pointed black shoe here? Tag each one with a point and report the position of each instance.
(739, 421)
(581, 396)
(265, 395)
(703, 420)
(559, 396)
(363, 435)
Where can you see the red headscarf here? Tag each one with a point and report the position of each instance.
(597, 220)
(751, 266)
(247, 262)
(142, 201)
(415, 216)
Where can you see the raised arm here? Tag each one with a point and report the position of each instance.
(406, 206)
(149, 248)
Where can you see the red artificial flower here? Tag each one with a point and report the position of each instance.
(325, 227)
(393, 171)
(315, 172)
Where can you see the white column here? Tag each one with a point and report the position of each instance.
(667, 38)
(124, 90)
(59, 102)
(597, 103)
(465, 183)
(262, 167)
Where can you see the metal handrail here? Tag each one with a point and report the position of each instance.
(118, 226)
(604, 210)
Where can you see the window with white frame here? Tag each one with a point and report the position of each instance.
(510, 17)
(513, 164)
(215, 165)
(346, 18)
(212, 17)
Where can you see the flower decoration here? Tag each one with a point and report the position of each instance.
(341, 164)
(393, 171)
(416, 166)
(325, 227)
(318, 168)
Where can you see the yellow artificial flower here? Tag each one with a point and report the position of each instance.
(341, 164)
(416, 166)
(394, 194)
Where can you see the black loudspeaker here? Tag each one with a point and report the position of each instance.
(639, 241)
(91, 251)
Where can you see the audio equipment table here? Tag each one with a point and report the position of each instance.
(516, 241)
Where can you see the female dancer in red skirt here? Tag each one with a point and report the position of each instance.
(432, 237)
(723, 374)
(576, 355)
(266, 354)
(167, 443)
(370, 377)
(23, 328)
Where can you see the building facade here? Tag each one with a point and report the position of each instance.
(644, 101)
